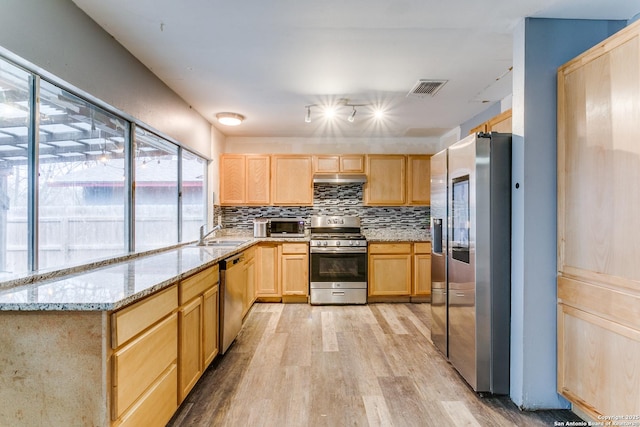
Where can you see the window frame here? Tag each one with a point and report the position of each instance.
(36, 75)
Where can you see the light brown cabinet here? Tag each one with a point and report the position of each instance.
(400, 269)
(397, 180)
(198, 327)
(210, 311)
(145, 359)
(267, 268)
(598, 270)
(250, 280)
(294, 271)
(245, 179)
(386, 180)
(190, 346)
(500, 123)
(291, 180)
(419, 180)
(390, 269)
(346, 163)
(421, 270)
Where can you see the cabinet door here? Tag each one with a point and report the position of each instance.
(267, 268)
(250, 293)
(386, 180)
(500, 123)
(232, 179)
(326, 164)
(295, 274)
(352, 163)
(210, 311)
(291, 180)
(190, 346)
(422, 275)
(390, 275)
(419, 180)
(140, 363)
(257, 179)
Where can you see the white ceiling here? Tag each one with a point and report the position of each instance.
(268, 59)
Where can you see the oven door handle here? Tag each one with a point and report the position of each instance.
(341, 250)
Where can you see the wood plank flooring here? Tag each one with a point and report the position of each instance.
(374, 365)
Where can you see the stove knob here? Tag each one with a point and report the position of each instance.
(350, 242)
(324, 243)
(338, 243)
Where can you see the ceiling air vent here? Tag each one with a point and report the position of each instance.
(426, 87)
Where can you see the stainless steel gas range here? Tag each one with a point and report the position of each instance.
(338, 261)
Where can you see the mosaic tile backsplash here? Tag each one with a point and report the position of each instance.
(331, 200)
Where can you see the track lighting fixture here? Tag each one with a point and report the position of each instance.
(330, 111)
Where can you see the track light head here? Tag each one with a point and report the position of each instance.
(352, 115)
(307, 117)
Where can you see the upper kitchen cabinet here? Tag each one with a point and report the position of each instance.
(386, 179)
(244, 179)
(346, 163)
(419, 180)
(500, 123)
(291, 180)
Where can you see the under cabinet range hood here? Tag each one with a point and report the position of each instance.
(339, 178)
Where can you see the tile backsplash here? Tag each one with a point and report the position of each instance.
(331, 200)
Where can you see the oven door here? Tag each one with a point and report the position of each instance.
(344, 265)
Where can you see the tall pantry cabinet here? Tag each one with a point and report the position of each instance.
(599, 227)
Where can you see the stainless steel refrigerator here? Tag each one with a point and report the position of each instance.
(471, 258)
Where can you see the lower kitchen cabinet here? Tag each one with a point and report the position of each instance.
(267, 269)
(294, 271)
(198, 327)
(250, 277)
(210, 310)
(145, 359)
(389, 269)
(421, 270)
(400, 269)
(190, 356)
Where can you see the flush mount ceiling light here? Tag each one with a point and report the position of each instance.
(229, 119)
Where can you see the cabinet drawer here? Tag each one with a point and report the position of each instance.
(422, 248)
(195, 285)
(294, 248)
(390, 248)
(158, 404)
(141, 362)
(130, 321)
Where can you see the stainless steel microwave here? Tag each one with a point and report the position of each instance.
(286, 227)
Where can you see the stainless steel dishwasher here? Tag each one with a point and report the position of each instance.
(232, 279)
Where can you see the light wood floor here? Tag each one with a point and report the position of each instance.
(374, 365)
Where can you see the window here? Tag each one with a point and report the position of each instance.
(15, 112)
(81, 181)
(156, 191)
(70, 202)
(194, 196)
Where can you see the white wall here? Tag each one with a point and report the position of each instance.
(58, 37)
(332, 145)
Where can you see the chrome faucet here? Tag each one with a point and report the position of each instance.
(204, 235)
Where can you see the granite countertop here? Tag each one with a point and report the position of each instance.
(113, 286)
(110, 286)
(389, 235)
